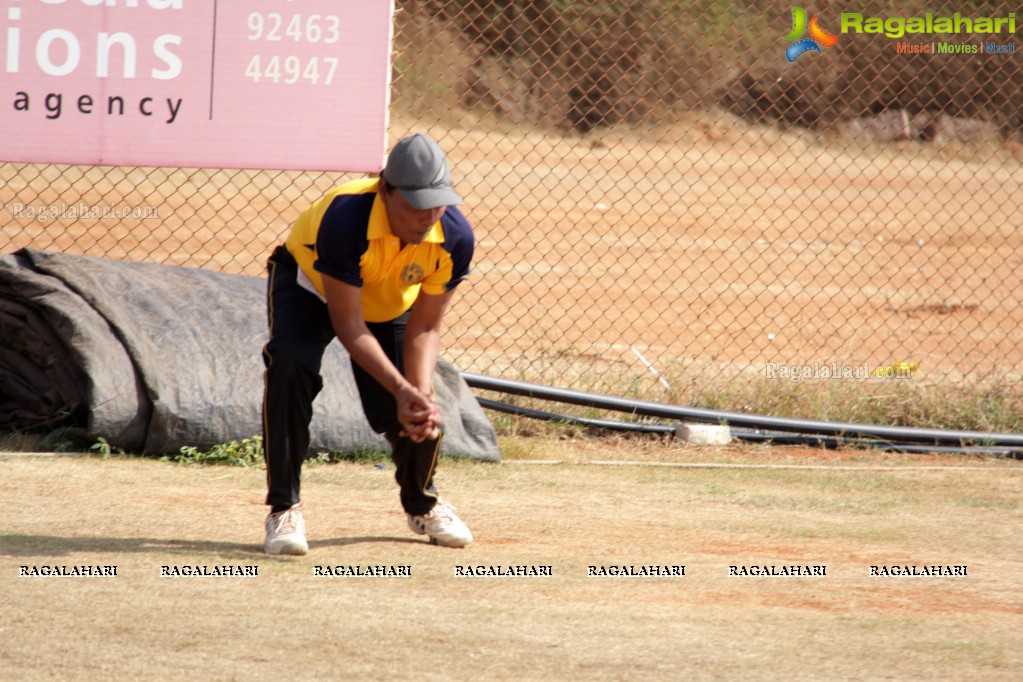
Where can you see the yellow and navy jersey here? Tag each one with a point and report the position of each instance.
(346, 235)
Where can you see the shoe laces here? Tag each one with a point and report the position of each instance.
(442, 511)
(287, 521)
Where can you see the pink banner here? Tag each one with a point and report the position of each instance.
(277, 84)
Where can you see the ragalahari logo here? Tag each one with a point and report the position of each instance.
(819, 37)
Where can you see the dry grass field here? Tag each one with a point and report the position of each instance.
(564, 504)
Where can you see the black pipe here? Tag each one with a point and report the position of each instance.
(636, 427)
(751, 436)
(740, 419)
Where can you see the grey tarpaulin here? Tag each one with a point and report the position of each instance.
(154, 357)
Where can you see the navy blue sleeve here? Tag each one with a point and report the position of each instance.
(342, 237)
(460, 242)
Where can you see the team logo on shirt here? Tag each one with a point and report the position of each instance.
(411, 274)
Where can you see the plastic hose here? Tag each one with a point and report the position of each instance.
(908, 437)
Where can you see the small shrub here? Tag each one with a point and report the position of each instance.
(245, 453)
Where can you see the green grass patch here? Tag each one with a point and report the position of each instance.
(249, 452)
(246, 452)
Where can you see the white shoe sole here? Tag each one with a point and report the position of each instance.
(288, 547)
(450, 542)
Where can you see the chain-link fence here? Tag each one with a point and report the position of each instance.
(663, 201)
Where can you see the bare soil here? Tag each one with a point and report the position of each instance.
(712, 247)
(568, 505)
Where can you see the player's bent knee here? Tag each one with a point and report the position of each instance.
(290, 368)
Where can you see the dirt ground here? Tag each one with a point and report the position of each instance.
(712, 247)
(566, 505)
(719, 253)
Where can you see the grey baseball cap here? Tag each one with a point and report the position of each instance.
(416, 168)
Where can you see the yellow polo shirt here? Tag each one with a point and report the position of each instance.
(346, 235)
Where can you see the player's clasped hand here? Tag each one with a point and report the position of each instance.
(418, 415)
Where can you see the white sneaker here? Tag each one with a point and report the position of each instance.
(442, 525)
(285, 532)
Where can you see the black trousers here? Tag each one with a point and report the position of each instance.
(300, 330)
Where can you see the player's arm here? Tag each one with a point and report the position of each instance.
(422, 339)
(422, 348)
(344, 302)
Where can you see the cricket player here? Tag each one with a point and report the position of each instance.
(375, 263)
